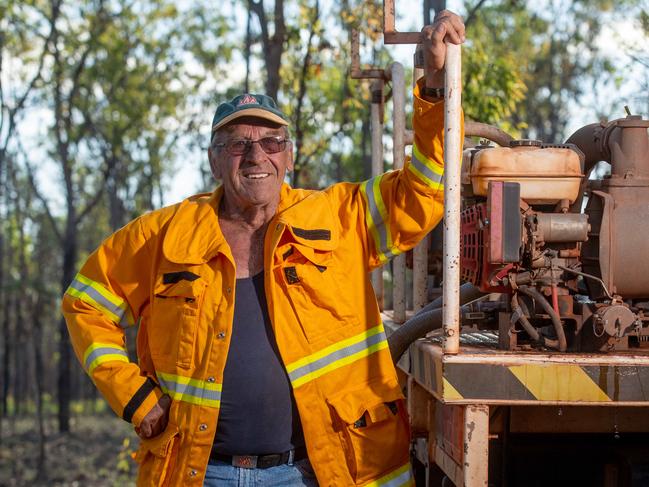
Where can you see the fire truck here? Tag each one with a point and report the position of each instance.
(520, 326)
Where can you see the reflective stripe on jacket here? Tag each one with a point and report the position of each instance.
(172, 272)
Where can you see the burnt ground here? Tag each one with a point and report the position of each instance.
(95, 453)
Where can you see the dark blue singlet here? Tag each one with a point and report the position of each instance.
(258, 414)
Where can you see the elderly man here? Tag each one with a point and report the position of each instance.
(261, 354)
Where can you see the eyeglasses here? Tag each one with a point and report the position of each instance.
(239, 147)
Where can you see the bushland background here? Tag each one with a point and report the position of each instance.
(105, 111)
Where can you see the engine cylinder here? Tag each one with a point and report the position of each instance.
(563, 227)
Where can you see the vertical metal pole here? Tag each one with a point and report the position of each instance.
(420, 275)
(377, 165)
(475, 468)
(420, 252)
(399, 126)
(452, 154)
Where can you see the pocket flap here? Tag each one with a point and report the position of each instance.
(317, 257)
(159, 445)
(181, 289)
(372, 399)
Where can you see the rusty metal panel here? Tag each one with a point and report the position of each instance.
(476, 445)
(449, 431)
(420, 402)
(493, 377)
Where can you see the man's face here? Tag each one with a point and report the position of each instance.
(255, 177)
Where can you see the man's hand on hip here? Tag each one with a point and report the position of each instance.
(447, 26)
(156, 420)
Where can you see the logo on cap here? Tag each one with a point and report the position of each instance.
(248, 100)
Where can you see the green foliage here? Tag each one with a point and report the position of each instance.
(327, 108)
(492, 89)
(493, 74)
(124, 465)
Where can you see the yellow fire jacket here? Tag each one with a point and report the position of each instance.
(172, 273)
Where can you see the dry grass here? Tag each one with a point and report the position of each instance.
(95, 453)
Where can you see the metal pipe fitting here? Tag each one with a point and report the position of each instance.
(452, 201)
(398, 158)
(377, 165)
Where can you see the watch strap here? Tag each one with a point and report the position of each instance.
(432, 92)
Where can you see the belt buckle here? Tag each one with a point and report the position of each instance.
(244, 461)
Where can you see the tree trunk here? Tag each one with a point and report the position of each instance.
(20, 382)
(273, 46)
(247, 53)
(37, 333)
(70, 251)
(117, 180)
(6, 355)
(4, 333)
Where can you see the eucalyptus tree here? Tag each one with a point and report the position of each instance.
(117, 91)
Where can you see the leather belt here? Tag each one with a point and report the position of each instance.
(261, 461)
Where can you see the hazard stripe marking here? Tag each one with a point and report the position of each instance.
(486, 382)
(559, 383)
(451, 392)
(621, 383)
(530, 382)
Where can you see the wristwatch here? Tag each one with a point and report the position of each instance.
(433, 92)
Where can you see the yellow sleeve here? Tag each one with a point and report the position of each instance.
(104, 298)
(402, 206)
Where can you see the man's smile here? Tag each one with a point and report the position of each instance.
(256, 175)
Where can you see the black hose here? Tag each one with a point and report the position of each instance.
(427, 320)
(556, 321)
(468, 292)
(417, 327)
(529, 328)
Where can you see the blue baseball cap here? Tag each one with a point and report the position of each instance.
(247, 105)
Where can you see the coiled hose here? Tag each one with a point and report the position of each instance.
(531, 331)
(426, 320)
(547, 307)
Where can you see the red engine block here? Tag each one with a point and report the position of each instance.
(477, 236)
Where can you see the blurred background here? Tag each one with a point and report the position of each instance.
(106, 109)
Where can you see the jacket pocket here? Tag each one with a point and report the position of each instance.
(372, 424)
(175, 320)
(157, 457)
(313, 284)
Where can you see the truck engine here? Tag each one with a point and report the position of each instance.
(563, 257)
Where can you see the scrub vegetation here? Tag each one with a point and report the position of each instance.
(105, 103)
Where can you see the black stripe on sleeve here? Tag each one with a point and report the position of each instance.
(138, 398)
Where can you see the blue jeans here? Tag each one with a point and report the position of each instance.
(298, 474)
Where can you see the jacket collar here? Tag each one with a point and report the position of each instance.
(194, 235)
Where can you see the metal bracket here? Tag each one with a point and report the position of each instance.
(356, 71)
(390, 34)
